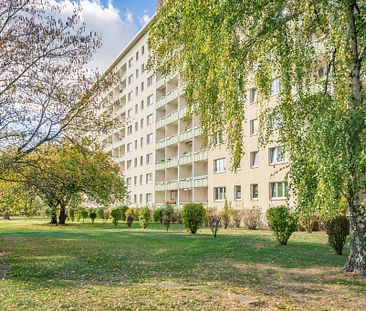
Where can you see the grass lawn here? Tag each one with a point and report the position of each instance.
(102, 267)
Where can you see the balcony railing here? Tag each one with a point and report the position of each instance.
(167, 141)
(169, 118)
(189, 134)
(167, 98)
(200, 181)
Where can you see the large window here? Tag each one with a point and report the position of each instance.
(276, 86)
(219, 193)
(237, 192)
(148, 197)
(149, 119)
(149, 81)
(129, 164)
(254, 193)
(149, 177)
(149, 139)
(129, 181)
(129, 147)
(277, 155)
(279, 190)
(149, 158)
(150, 100)
(129, 130)
(220, 165)
(130, 79)
(254, 157)
(254, 127)
(252, 95)
(129, 113)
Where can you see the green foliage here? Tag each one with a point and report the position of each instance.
(116, 214)
(130, 216)
(72, 214)
(193, 216)
(144, 217)
(84, 213)
(92, 215)
(100, 213)
(158, 214)
(124, 208)
(225, 214)
(338, 231)
(282, 222)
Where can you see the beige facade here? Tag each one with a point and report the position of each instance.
(162, 156)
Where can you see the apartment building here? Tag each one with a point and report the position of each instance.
(163, 157)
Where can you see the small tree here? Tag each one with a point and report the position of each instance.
(144, 217)
(116, 214)
(214, 222)
(338, 231)
(130, 216)
(158, 215)
(225, 214)
(193, 216)
(92, 215)
(282, 222)
(84, 214)
(166, 221)
(124, 209)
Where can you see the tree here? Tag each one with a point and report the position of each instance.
(315, 50)
(46, 85)
(60, 174)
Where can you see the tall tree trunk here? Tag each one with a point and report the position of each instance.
(357, 257)
(63, 216)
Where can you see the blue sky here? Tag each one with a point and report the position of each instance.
(117, 21)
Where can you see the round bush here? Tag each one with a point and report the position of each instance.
(92, 215)
(116, 214)
(193, 216)
(282, 222)
(338, 231)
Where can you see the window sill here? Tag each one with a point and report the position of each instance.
(221, 200)
(279, 199)
(254, 199)
(254, 166)
(221, 172)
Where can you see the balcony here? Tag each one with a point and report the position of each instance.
(167, 141)
(200, 181)
(169, 118)
(162, 80)
(166, 164)
(189, 134)
(167, 98)
(186, 183)
(201, 155)
(160, 186)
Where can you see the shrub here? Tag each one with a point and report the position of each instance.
(6, 215)
(235, 217)
(106, 215)
(116, 214)
(193, 216)
(92, 215)
(166, 222)
(209, 212)
(158, 215)
(144, 217)
(338, 231)
(282, 222)
(100, 213)
(130, 216)
(251, 217)
(84, 214)
(72, 214)
(225, 214)
(214, 221)
(124, 209)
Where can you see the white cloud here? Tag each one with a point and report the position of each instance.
(115, 29)
(145, 19)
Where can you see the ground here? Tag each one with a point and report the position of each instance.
(102, 267)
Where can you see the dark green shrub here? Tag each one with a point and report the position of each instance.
(158, 215)
(116, 214)
(338, 231)
(84, 214)
(92, 215)
(282, 222)
(130, 216)
(124, 209)
(144, 217)
(193, 216)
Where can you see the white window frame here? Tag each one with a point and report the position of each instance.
(277, 155)
(236, 187)
(254, 155)
(254, 127)
(149, 139)
(150, 119)
(219, 194)
(219, 165)
(149, 158)
(275, 86)
(252, 196)
(252, 95)
(278, 190)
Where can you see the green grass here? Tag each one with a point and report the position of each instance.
(102, 267)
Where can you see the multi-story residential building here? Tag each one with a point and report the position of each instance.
(163, 157)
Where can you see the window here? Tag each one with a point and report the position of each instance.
(149, 81)
(129, 113)
(130, 62)
(143, 50)
(136, 126)
(141, 160)
(135, 198)
(149, 178)
(149, 119)
(276, 86)
(219, 138)
(142, 105)
(148, 197)
(141, 141)
(136, 144)
(149, 158)
(135, 182)
(129, 163)
(136, 90)
(142, 86)
(129, 130)
(239, 167)
(141, 179)
(254, 159)
(254, 191)
(142, 123)
(149, 139)
(141, 198)
(254, 127)
(137, 56)
(130, 79)
(129, 181)
(237, 192)
(277, 155)
(137, 73)
(142, 68)
(219, 193)
(135, 162)
(129, 96)
(220, 165)
(252, 95)
(279, 190)
(129, 147)
(136, 109)
(150, 100)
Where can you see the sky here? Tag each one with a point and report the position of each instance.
(117, 21)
